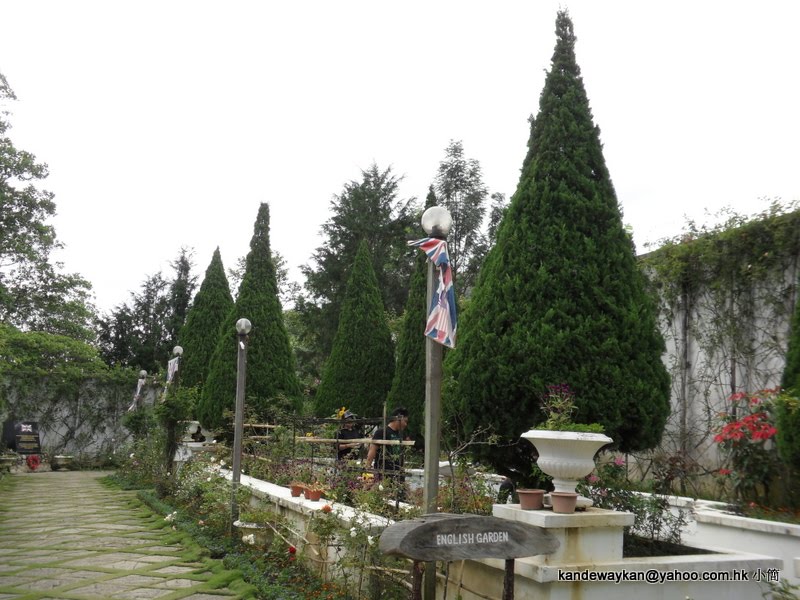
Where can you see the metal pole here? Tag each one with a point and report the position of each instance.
(238, 427)
(433, 397)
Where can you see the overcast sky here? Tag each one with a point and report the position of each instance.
(167, 123)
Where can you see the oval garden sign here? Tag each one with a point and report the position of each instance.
(446, 537)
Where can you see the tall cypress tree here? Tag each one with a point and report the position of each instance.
(358, 373)
(270, 362)
(560, 298)
(200, 334)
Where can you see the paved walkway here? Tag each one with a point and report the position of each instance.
(65, 536)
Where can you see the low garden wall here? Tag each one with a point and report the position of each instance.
(589, 564)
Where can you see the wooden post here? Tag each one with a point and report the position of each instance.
(508, 580)
(433, 399)
(416, 582)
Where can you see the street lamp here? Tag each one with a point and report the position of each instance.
(436, 221)
(243, 327)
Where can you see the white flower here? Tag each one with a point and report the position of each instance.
(249, 539)
(170, 517)
(380, 487)
(132, 455)
(213, 459)
(208, 479)
(353, 532)
(169, 473)
(221, 463)
(370, 540)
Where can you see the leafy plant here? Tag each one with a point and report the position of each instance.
(745, 434)
(559, 407)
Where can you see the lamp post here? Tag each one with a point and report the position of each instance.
(243, 327)
(436, 222)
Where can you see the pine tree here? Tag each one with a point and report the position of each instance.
(408, 385)
(366, 210)
(460, 189)
(180, 293)
(791, 372)
(270, 362)
(560, 298)
(200, 334)
(358, 373)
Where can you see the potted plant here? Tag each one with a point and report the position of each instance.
(566, 449)
(296, 488)
(531, 499)
(7, 460)
(314, 491)
(61, 461)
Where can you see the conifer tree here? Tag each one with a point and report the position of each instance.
(560, 299)
(791, 372)
(359, 372)
(212, 305)
(270, 362)
(408, 385)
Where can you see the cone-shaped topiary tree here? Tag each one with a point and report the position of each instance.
(359, 371)
(788, 408)
(270, 362)
(200, 334)
(560, 298)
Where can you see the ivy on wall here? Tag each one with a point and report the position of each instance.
(726, 297)
(64, 385)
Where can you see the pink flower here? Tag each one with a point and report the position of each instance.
(724, 471)
(593, 478)
(619, 461)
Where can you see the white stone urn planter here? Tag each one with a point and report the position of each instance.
(566, 456)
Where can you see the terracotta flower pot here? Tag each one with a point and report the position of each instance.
(563, 502)
(313, 495)
(296, 490)
(531, 499)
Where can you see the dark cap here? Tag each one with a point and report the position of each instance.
(349, 415)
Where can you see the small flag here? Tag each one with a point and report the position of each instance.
(26, 428)
(172, 368)
(442, 321)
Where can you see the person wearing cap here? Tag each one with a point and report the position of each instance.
(344, 449)
(389, 458)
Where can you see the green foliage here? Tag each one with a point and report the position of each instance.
(141, 334)
(791, 372)
(177, 406)
(787, 421)
(34, 293)
(746, 431)
(609, 488)
(140, 422)
(201, 332)
(365, 211)
(560, 297)
(558, 405)
(460, 188)
(270, 362)
(359, 372)
(408, 385)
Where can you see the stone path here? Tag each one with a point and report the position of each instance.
(65, 536)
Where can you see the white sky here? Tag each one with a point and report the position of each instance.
(166, 123)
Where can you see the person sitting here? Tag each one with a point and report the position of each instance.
(347, 450)
(198, 436)
(388, 458)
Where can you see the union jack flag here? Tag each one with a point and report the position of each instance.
(442, 321)
(26, 428)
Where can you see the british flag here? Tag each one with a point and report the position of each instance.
(442, 321)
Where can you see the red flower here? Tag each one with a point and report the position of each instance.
(292, 550)
(724, 471)
(326, 509)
